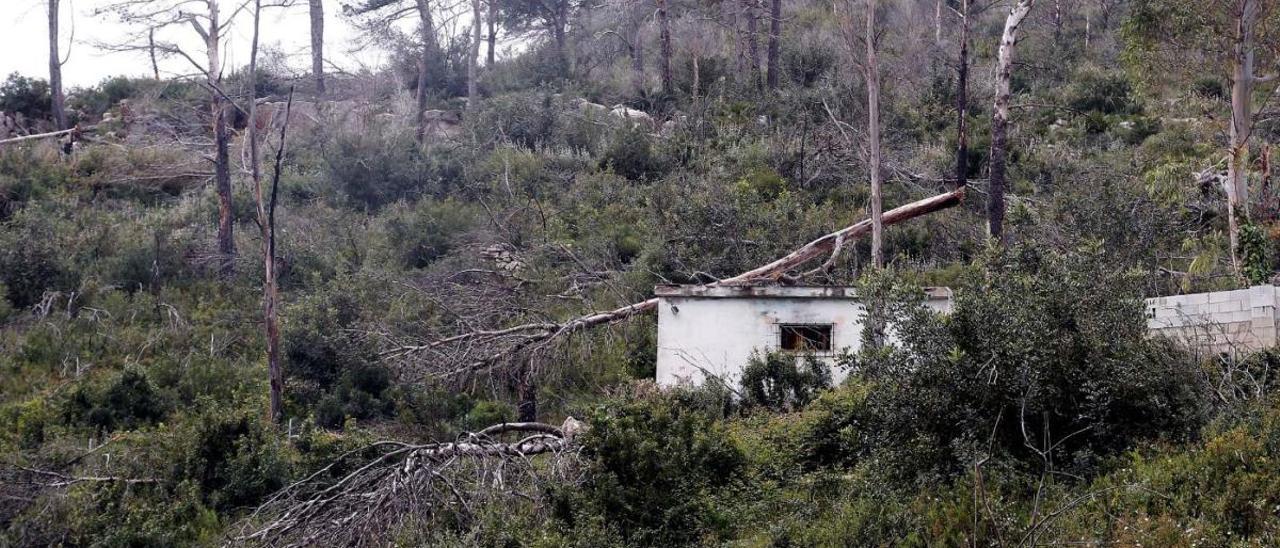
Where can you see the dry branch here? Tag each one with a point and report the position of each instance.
(402, 485)
(486, 348)
(45, 135)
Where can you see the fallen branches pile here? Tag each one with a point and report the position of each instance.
(483, 349)
(393, 485)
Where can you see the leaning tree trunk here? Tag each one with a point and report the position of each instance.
(317, 44)
(775, 39)
(1242, 83)
(873, 138)
(664, 30)
(962, 99)
(221, 142)
(1000, 118)
(473, 61)
(55, 70)
(151, 50)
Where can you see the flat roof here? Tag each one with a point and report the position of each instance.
(775, 292)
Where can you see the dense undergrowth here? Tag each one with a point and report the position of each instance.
(1038, 412)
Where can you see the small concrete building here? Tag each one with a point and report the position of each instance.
(714, 330)
(1239, 321)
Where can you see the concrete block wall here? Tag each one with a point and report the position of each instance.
(1241, 320)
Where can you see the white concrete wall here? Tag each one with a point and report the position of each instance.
(717, 335)
(1222, 321)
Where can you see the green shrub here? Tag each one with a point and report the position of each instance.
(782, 381)
(655, 466)
(127, 403)
(1041, 353)
(233, 457)
(631, 154)
(26, 96)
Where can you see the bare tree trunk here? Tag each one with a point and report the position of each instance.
(151, 49)
(873, 138)
(55, 70)
(775, 41)
(427, 28)
(493, 33)
(937, 22)
(636, 48)
(664, 31)
(962, 100)
(266, 220)
(526, 393)
(753, 40)
(222, 159)
(473, 61)
(1057, 22)
(560, 22)
(317, 44)
(1242, 83)
(1000, 118)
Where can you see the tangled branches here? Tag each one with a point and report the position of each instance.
(406, 485)
(480, 349)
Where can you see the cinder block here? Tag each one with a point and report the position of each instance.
(1221, 296)
(1191, 300)
(1263, 323)
(1263, 311)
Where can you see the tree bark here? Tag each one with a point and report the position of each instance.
(526, 394)
(1242, 83)
(221, 142)
(559, 22)
(317, 44)
(873, 137)
(753, 41)
(493, 33)
(266, 220)
(664, 31)
(775, 41)
(937, 22)
(962, 99)
(427, 29)
(55, 70)
(636, 49)
(1000, 118)
(473, 61)
(151, 49)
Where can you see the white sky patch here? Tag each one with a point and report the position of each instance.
(24, 41)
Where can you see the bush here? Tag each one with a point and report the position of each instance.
(1041, 353)
(782, 381)
(655, 466)
(129, 402)
(630, 154)
(419, 234)
(233, 457)
(27, 96)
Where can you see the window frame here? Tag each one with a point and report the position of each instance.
(831, 337)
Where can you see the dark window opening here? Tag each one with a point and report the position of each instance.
(806, 337)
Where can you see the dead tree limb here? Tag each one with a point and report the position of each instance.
(401, 485)
(500, 344)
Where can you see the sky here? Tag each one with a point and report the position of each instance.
(24, 41)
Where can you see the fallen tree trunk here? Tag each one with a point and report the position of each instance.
(534, 336)
(391, 484)
(35, 136)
